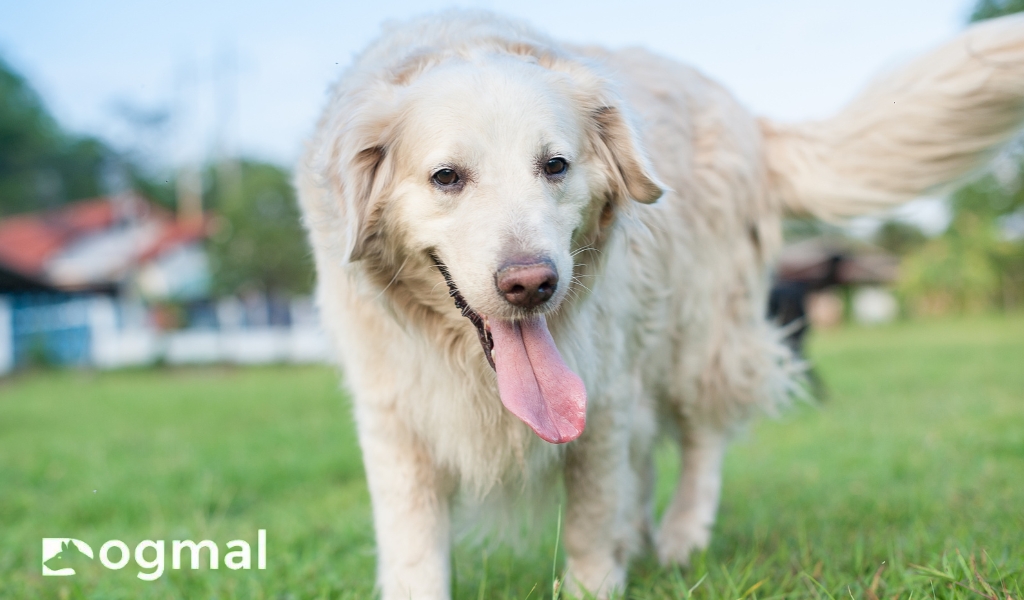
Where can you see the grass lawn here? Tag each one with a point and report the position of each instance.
(907, 481)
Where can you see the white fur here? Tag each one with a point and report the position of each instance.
(661, 309)
(920, 127)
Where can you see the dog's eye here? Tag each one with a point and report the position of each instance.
(446, 177)
(556, 166)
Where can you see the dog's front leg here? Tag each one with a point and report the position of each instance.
(410, 510)
(686, 526)
(599, 529)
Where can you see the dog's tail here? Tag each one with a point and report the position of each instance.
(920, 128)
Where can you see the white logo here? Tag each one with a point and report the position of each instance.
(60, 553)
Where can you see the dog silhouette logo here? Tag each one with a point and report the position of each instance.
(60, 555)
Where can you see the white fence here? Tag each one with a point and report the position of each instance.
(114, 347)
(127, 348)
(118, 338)
(6, 337)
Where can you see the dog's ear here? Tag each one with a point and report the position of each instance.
(356, 183)
(611, 136)
(617, 145)
(343, 177)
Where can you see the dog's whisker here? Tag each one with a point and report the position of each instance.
(393, 279)
(579, 282)
(583, 249)
(575, 280)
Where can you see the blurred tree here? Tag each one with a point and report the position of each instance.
(977, 263)
(988, 9)
(795, 229)
(953, 273)
(42, 166)
(899, 237)
(258, 243)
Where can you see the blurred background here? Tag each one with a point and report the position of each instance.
(147, 216)
(162, 372)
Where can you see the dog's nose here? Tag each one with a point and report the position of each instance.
(527, 285)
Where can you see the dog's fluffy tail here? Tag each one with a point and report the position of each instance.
(911, 132)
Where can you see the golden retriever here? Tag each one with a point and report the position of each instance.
(533, 258)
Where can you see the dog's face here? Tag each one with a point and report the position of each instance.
(491, 172)
(497, 169)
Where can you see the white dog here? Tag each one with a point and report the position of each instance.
(533, 258)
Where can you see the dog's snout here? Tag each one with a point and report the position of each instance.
(527, 285)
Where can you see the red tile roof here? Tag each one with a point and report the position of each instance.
(175, 234)
(28, 241)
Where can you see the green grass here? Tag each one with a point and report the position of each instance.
(907, 481)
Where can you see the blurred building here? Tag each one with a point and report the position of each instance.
(837, 261)
(822, 280)
(119, 245)
(115, 282)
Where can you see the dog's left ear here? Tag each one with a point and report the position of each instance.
(618, 146)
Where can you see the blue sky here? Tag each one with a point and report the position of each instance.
(267, 66)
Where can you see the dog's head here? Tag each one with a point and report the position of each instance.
(499, 168)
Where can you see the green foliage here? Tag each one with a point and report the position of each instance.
(259, 246)
(156, 187)
(40, 165)
(973, 266)
(988, 9)
(795, 229)
(906, 483)
(258, 243)
(948, 276)
(988, 198)
(899, 238)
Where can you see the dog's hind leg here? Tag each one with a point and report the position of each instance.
(686, 525)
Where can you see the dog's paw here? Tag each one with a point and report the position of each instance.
(593, 581)
(678, 541)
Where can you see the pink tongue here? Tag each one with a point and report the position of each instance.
(534, 383)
